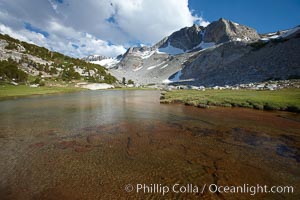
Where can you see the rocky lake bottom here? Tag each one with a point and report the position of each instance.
(91, 144)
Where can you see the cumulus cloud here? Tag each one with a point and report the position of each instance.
(107, 27)
(68, 41)
(151, 20)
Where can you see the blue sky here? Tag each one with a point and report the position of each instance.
(263, 15)
(29, 27)
(108, 27)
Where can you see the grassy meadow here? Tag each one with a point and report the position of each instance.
(284, 99)
(9, 91)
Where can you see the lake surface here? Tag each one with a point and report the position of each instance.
(91, 144)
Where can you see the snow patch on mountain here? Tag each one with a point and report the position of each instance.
(170, 50)
(108, 63)
(176, 78)
(166, 65)
(143, 54)
(282, 34)
(154, 66)
(290, 32)
(270, 38)
(137, 69)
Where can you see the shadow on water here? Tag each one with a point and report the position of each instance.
(288, 152)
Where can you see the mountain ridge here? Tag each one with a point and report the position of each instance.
(182, 50)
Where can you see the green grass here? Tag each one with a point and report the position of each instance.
(8, 91)
(285, 99)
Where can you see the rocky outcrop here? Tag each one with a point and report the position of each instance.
(152, 70)
(224, 30)
(186, 38)
(94, 58)
(217, 32)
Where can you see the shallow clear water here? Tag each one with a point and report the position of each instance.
(91, 144)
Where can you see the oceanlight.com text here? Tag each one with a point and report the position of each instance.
(212, 188)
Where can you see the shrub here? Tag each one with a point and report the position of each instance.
(9, 70)
(42, 83)
(70, 74)
(53, 70)
(130, 82)
(123, 80)
(11, 46)
(37, 81)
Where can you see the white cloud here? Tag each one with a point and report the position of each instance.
(87, 44)
(24, 35)
(151, 20)
(91, 24)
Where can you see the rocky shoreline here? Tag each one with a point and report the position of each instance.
(268, 85)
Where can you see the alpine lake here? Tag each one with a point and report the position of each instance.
(92, 144)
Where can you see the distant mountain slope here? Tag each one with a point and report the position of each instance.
(224, 52)
(236, 62)
(21, 62)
